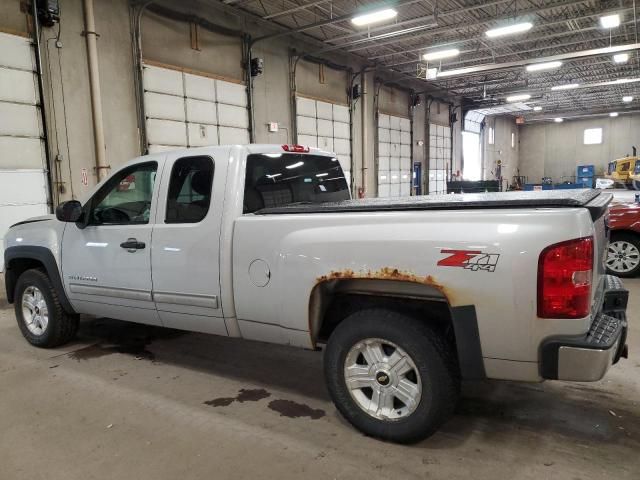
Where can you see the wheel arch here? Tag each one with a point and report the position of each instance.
(19, 259)
(332, 301)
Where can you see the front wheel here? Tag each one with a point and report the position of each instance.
(40, 315)
(391, 376)
(623, 255)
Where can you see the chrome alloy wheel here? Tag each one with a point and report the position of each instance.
(382, 379)
(34, 310)
(622, 257)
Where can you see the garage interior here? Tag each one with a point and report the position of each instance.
(437, 97)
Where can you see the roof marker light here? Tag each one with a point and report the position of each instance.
(295, 148)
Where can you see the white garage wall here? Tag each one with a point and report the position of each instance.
(188, 110)
(394, 156)
(23, 184)
(325, 125)
(439, 158)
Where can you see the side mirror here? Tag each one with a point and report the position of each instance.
(70, 211)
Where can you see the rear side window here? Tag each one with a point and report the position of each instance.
(275, 180)
(189, 194)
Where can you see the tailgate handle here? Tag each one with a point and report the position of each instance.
(132, 245)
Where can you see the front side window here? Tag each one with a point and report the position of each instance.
(126, 197)
(189, 194)
(275, 180)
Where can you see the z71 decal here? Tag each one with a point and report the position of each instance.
(470, 260)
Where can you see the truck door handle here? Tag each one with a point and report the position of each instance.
(132, 245)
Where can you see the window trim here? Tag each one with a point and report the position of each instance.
(109, 184)
(166, 206)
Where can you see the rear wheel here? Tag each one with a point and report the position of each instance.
(391, 376)
(41, 317)
(623, 255)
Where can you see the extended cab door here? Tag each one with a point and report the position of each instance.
(106, 260)
(186, 243)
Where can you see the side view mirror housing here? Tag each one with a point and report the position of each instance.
(70, 211)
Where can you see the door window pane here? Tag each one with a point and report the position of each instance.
(126, 197)
(189, 190)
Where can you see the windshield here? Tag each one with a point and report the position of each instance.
(637, 167)
(274, 180)
(612, 167)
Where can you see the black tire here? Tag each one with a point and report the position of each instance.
(628, 238)
(433, 356)
(61, 327)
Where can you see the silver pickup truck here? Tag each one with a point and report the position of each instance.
(407, 296)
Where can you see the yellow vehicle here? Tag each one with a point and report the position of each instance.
(634, 172)
(621, 171)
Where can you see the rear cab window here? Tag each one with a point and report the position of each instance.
(275, 180)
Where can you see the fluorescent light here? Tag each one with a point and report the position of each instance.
(518, 98)
(374, 17)
(610, 21)
(558, 120)
(627, 98)
(613, 114)
(537, 108)
(621, 58)
(536, 67)
(295, 165)
(439, 54)
(432, 73)
(567, 86)
(456, 71)
(509, 29)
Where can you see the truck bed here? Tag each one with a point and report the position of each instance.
(544, 199)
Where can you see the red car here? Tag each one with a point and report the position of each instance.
(623, 256)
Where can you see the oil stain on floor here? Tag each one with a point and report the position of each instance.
(244, 395)
(291, 409)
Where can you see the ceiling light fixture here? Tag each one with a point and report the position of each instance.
(621, 58)
(440, 54)
(509, 29)
(610, 21)
(537, 108)
(518, 98)
(536, 67)
(613, 114)
(627, 98)
(374, 17)
(558, 120)
(567, 86)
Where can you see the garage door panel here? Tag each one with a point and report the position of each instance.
(384, 135)
(308, 140)
(233, 136)
(161, 148)
(405, 125)
(394, 123)
(163, 80)
(324, 110)
(21, 187)
(341, 113)
(201, 135)
(233, 116)
(394, 190)
(405, 137)
(306, 107)
(16, 52)
(19, 120)
(384, 177)
(341, 130)
(394, 163)
(384, 149)
(384, 190)
(405, 150)
(231, 93)
(166, 132)
(394, 152)
(17, 86)
(384, 163)
(325, 128)
(164, 107)
(342, 146)
(200, 111)
(345, 162)
(405, 189)
(383, 121)
(394, 136)
(19, 152)
(307, 125)
(405, 163)
(199, 87)
(325, 143)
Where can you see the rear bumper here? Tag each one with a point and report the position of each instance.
(587, 358)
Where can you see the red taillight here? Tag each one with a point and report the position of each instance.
(295, 148)
(565, 271)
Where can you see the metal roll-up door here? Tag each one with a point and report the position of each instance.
(23, 177)
(189, 110)
(325, 125)
(394, 156)
(439, 158)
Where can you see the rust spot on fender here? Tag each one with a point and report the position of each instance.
(385, 273)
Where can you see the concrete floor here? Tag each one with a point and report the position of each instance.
(129, 401)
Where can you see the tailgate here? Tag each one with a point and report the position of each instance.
(598, 209)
